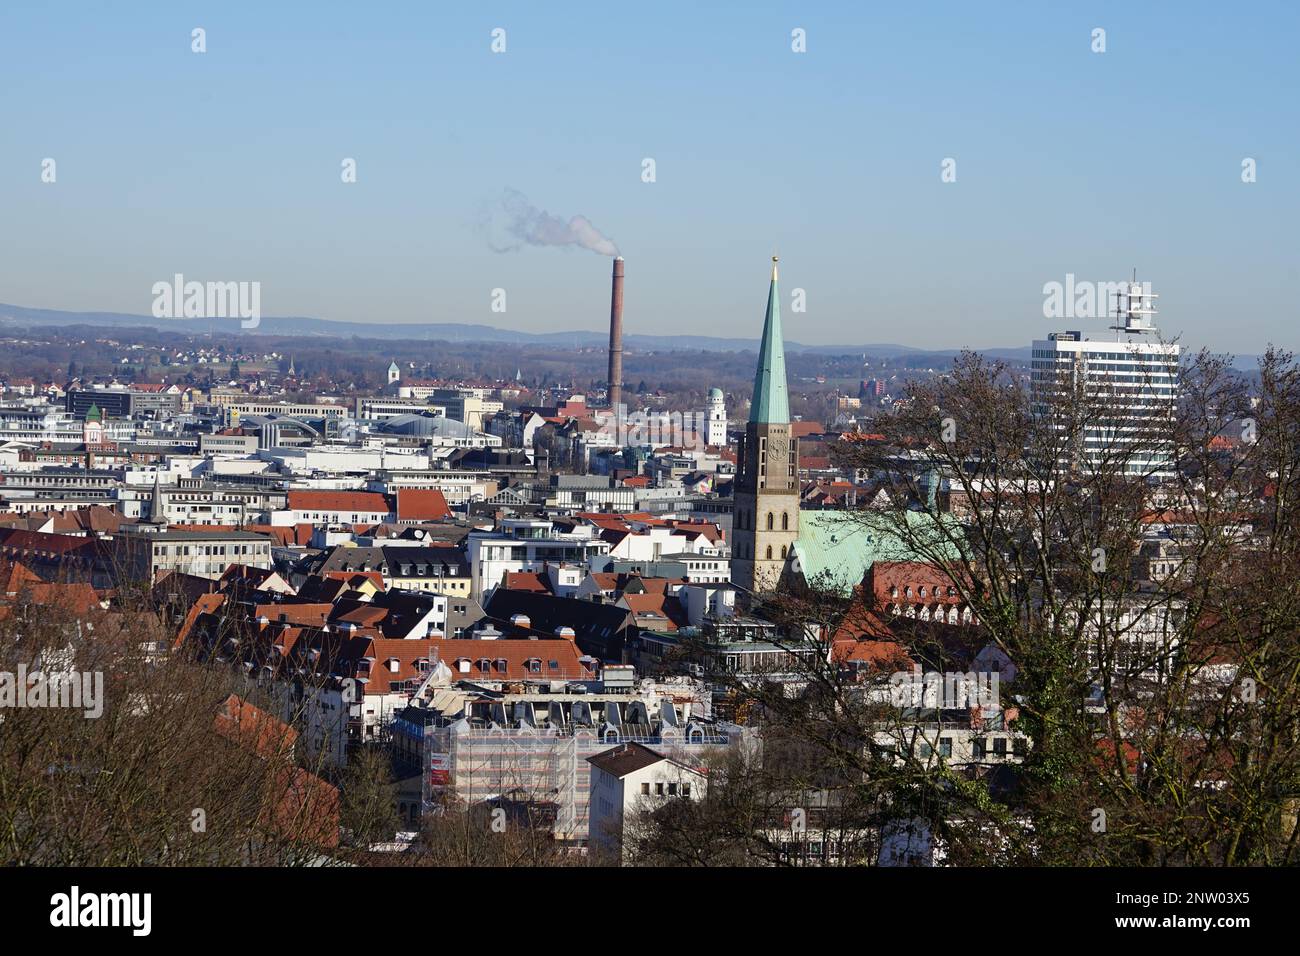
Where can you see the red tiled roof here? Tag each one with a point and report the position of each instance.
(285, 535)
(253, 728)
(515, 655)
(351, 578)
(14, 576)
(880, 655)
(351, 501)
(306, 808)
(525, 581)
(203, 604)
(421, 504)
(655, 606)
(308, 614)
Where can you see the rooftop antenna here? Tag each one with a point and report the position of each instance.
(1134, 308)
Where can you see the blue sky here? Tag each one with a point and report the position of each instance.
(226, 165)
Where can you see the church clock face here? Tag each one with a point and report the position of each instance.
(776, 448)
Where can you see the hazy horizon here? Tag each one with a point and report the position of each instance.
(225, 165)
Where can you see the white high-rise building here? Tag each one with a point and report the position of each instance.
(715, 429)
(1129, 383)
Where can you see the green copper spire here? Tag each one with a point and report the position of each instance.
(771, 402)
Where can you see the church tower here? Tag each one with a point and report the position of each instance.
(765, 514)
(394, 373)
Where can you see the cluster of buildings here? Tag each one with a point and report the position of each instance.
(524, 603)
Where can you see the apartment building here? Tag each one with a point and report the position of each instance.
(526, 544)
(205, 554)
(534, 743)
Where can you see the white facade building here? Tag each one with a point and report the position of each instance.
(715, 428)
(630, 779)
(525, 544)
(1129, 386)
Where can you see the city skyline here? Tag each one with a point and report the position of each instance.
(1069, 162)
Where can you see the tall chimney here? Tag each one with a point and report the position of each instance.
(616, 336)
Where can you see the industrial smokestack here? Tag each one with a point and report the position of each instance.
(616, 336)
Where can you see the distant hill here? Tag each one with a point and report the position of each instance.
(17, 315)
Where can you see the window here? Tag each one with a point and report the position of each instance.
(672, 790)
(1000, 746)
(769, 521)
(945, 746)
(977, 749)
(659, 789)
(645, 789)
(686, 790)
(785, 521)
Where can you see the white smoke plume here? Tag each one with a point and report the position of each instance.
(528, 225)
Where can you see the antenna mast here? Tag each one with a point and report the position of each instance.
(1134, 308)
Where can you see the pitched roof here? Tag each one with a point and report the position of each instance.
(556, 658)
(655, 607)
(421, 504)
(285, 535)
(600, 628)
(836, 548)
(204, 604)
(14, 576)
(353, 501)
(626, 758)
(253, 728)
(525, 581)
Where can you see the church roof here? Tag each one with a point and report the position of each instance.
(835, 549)
(771, 403)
